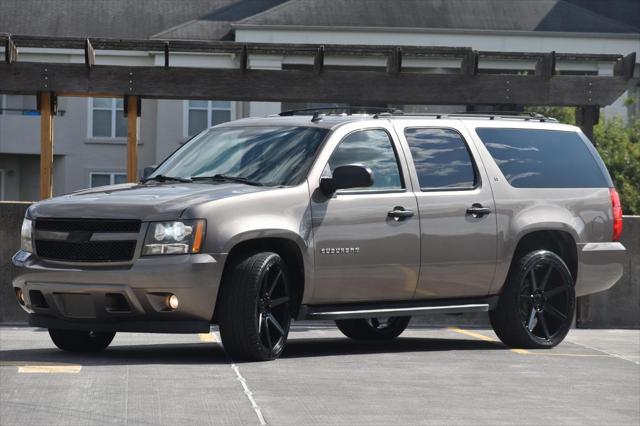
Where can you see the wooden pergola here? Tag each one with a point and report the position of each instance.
(393, 84)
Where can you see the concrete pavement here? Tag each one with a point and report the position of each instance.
(427, 376)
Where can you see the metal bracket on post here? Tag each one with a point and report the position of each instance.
(53, 98)
(394, 61)
(125, 107)
(10, 50)
(546, 65)
(89, 54)
(318, 60)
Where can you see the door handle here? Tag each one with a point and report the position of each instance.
(399, 213)
(476, 210)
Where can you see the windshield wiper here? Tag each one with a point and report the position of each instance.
(163, 178)
(228, 178)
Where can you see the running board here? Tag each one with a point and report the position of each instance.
(372, 310)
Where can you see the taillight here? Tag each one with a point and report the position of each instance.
(616, 209)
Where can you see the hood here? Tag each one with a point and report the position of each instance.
(146, 202)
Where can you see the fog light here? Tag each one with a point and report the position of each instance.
(171, 301)
(20, 296)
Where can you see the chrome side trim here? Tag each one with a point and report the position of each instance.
(415, 310)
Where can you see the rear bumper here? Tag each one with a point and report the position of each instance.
(600, 266)
(121, 298)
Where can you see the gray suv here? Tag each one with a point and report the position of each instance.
(365, 219)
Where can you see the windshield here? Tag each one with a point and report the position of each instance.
(271, 156)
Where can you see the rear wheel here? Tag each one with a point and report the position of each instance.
(80, 341)
(537, 304)
(254, 310)
(373, 328)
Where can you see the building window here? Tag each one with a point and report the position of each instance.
(201, 115)
(106, 178)
(106, 118)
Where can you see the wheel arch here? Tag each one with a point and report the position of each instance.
(287, 247)
(559, 241)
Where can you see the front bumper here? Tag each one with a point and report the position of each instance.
(600, 266)
(121, 298)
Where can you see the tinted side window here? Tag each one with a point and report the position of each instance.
(371, 148)
(442, 159)
(532, 158)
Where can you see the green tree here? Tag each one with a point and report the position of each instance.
(619, 147)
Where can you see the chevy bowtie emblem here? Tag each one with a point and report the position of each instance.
(79, 236)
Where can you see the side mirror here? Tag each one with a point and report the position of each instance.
(345, 177)
(148, 170)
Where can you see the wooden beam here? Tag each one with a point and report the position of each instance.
(166, 54)
(244, 58)
(394, 61)
(469, 65)
(624, 67)
(46, 106)
(353, 86)
(546, 65)
(318, 60)
(132, 139)
(89, 54)
(10, 50)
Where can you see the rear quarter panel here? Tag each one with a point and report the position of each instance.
(584, 213)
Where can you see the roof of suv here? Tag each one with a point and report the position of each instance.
(331, 121)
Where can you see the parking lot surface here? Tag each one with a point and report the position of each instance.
(427, 376)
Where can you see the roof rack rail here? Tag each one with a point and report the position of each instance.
(346, 110)
(491, 115)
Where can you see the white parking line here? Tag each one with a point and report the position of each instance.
(604, 352)
(214, 337)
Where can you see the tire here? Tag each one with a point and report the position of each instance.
(536, 307)
(373, 328)
(254, 311)
(81, 341)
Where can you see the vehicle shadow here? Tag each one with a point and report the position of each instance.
(321, 347)
(213, 353)
(180, 353)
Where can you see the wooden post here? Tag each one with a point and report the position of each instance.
(132, 138)
(586, 118)
(46, 145)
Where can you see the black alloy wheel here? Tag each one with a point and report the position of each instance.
(537, 305)
(254, 307)
(273, 311)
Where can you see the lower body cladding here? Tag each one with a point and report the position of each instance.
(600, 266)
(165, 294)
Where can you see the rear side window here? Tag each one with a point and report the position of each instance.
(442, 159)
(533, 158)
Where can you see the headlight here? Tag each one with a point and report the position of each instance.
(26, 241)
(180, 237)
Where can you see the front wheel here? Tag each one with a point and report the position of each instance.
(254, 308)
(373, 328)
(80, 341)
(537, 304)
